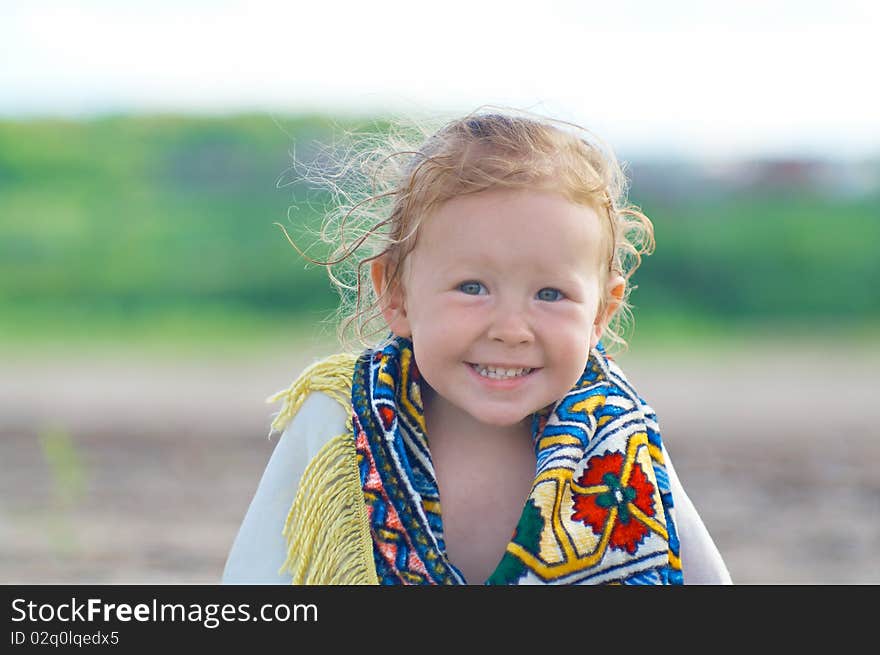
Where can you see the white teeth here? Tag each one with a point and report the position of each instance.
(492, 372)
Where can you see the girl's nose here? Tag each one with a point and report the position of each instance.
(510, 326)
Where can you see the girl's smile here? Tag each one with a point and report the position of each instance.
(503, 380)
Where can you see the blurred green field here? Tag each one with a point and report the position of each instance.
(140, 230)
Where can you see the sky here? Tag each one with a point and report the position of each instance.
(667, 78)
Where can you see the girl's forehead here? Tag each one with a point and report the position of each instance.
(511, 222)
(534, 236)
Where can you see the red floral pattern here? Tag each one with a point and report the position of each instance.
(594, 509)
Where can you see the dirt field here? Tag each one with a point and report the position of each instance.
(139, 469)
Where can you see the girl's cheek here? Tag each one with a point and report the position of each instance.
(563, 310)
(459, 313)
(574, 319)
(462, 302)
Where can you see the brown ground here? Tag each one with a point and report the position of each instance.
(147, 464)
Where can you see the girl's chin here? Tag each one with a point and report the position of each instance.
(502, 422)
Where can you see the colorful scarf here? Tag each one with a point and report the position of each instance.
(599, 511)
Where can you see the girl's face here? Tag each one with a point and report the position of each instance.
(510, 278)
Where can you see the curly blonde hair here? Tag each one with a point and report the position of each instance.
(383, 184)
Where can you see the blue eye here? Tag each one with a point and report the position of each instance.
(557, 291)
(471, 285)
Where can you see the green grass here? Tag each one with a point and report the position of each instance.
(681, 334)
(42, 331)
(780, 256)
(158, 232)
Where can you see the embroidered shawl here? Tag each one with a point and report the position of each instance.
(600, 510)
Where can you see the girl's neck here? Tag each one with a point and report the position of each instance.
(441, 418)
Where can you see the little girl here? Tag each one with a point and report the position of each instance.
(489, 438)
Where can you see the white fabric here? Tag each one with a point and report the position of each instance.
(259, 549)
(701, 563)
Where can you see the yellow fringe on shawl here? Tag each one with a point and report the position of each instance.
(331, 375)
(327, 529)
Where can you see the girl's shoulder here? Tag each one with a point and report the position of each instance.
(301, 481)
(329, 377)
(326, 530)
(316, 407)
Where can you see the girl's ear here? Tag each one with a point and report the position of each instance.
(392, 305)
(614, 290)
